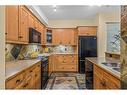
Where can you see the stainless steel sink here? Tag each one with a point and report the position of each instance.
(113, 66)
(117, 69)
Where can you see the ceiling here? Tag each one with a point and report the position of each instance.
(75, 11)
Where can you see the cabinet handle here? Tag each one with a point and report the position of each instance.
(31, 71)
(35, 75)
(5, 33)
(103, 83)
(18, 81)
(87, 33)
(25, 85)
(20, 36)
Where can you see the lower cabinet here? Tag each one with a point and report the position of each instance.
(104, 80)
(65, 63)
(28, 79)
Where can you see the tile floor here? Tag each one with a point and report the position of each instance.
(66, 81)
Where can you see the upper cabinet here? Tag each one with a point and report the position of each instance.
(12, 23)
(23, 24)
(64, 36)
(87, 31)
(31, 20)
(18, 21)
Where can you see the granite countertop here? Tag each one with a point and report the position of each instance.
(99, 60)
(14, 67)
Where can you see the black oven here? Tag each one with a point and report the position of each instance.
(34, 36)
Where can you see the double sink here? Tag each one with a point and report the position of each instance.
(114, 66)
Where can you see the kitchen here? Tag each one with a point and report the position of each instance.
(67, 50)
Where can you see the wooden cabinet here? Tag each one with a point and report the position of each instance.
(23, 24)
(104, 80)
(27, 79)
(87, 31)
(64, 36)
(65, 63)
(18, 21)
(57, 33)
(31, 20)
(12, 23)
(37, 76)
(17, 24)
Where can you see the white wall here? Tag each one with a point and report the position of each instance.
(101, 20)
(2, 47)
(71, 23)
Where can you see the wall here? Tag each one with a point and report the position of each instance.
(71, 23)
(101, 20)
(2, 48)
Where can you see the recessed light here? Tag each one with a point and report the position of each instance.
(54, 6)
(55, 9)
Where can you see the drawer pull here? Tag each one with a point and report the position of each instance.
(103, 83)
(31, 71)
(20, 36)
(18, 81)
(25, 85)
(35, 75)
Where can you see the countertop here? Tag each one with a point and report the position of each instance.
(48, 54)
(98, 61)
(14, 67)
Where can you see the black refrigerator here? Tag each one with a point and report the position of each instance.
(87, 47)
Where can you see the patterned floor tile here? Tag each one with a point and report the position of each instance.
(66, 81)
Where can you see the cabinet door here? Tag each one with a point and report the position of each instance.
(42, 30)
(98, 82)
(36, 22)
(57, 36)
(23, 24)
(37, 77)
(87, 31)
(72, 38)
(31, 20)
(12, 23)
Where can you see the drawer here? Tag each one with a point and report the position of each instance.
(67, 68)
(16, 81)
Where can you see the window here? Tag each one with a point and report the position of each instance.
(113, 37)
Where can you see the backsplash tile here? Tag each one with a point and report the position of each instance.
(63, 49)
(31, 51)
(26, 51)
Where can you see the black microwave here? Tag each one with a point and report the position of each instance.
(34, 36)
